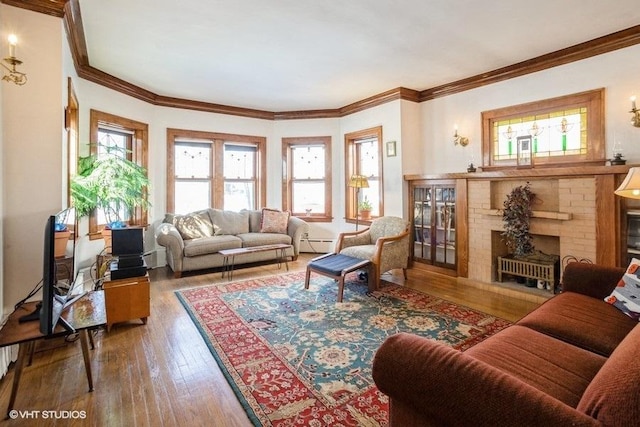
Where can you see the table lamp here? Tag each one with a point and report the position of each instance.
(358, 182)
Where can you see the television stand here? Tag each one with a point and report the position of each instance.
(86, 314)
(127, 299)
(66, 325)
(34, 315)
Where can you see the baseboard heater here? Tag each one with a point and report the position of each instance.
(317, 245)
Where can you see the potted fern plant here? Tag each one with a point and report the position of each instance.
(110, 182)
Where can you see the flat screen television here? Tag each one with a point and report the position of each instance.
(52, 303)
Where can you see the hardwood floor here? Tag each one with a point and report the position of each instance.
(163, 374)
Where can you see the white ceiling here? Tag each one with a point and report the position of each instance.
(289, 55)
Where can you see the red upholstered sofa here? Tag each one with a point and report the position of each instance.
(574, 361)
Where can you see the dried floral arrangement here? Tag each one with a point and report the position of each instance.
(516, 215)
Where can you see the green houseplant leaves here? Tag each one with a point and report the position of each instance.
(110, 182)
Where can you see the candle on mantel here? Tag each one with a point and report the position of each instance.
(633, 103)
(13, 41)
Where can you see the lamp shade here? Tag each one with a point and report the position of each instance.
(358, 181)
(630, 187)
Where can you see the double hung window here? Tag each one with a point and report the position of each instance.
(125, 137)
(363, 157)
(207, 169)
(307, 177)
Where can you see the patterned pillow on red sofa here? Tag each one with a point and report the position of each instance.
(626, 295)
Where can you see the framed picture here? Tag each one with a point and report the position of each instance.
(391, 148)
(525, 157)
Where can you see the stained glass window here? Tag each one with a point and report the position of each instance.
(208, 169)
(368, 152)
(113, 143)
(125, 137)
(364, 157)
(553, 134)
(307, 177)
(564, 129)
(193, 170)
(240, 176)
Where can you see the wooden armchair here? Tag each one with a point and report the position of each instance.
(385, 243)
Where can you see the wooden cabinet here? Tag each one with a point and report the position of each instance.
(437, 211)
(434, 224)
(127, 299)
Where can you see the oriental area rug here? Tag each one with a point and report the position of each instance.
(298, 357)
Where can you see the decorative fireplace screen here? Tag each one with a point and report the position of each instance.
(540, 267)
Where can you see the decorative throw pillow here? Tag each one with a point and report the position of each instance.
(626, 295)
(255, 220)
(193, 226)
(274, 221)
(230, 222)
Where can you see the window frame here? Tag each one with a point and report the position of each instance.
(192, 143)
(592, 100)
(287, 176)
(139, 153)
(217, 173)
(256, 168)
(352, 167)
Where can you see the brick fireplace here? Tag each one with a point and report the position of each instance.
(564, 221)
(576, 214)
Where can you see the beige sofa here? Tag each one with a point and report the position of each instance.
(193, 241)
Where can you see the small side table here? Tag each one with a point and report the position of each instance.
(337, 266)
(127, 299)
(84, 315)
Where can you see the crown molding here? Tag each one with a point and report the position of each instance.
(373, 101)
(48, 7)
(69, 10)
(588, 49)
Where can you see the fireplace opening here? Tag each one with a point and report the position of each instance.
(541, 270)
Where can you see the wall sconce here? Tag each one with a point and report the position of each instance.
(457, 139)
(14, 76)
(635, 120)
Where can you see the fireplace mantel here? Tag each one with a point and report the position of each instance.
(540, 173)
(560, 216)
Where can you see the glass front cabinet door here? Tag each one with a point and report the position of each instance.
(434, 225)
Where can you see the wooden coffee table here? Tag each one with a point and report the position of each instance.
(230, 255)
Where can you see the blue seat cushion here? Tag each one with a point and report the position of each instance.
(334, 265)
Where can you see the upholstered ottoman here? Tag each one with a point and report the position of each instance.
(337, 266)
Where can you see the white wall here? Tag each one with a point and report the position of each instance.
(32, 127)
(3, 313)
(616, 71)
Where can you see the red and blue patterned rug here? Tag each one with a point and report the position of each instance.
(297, 357)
